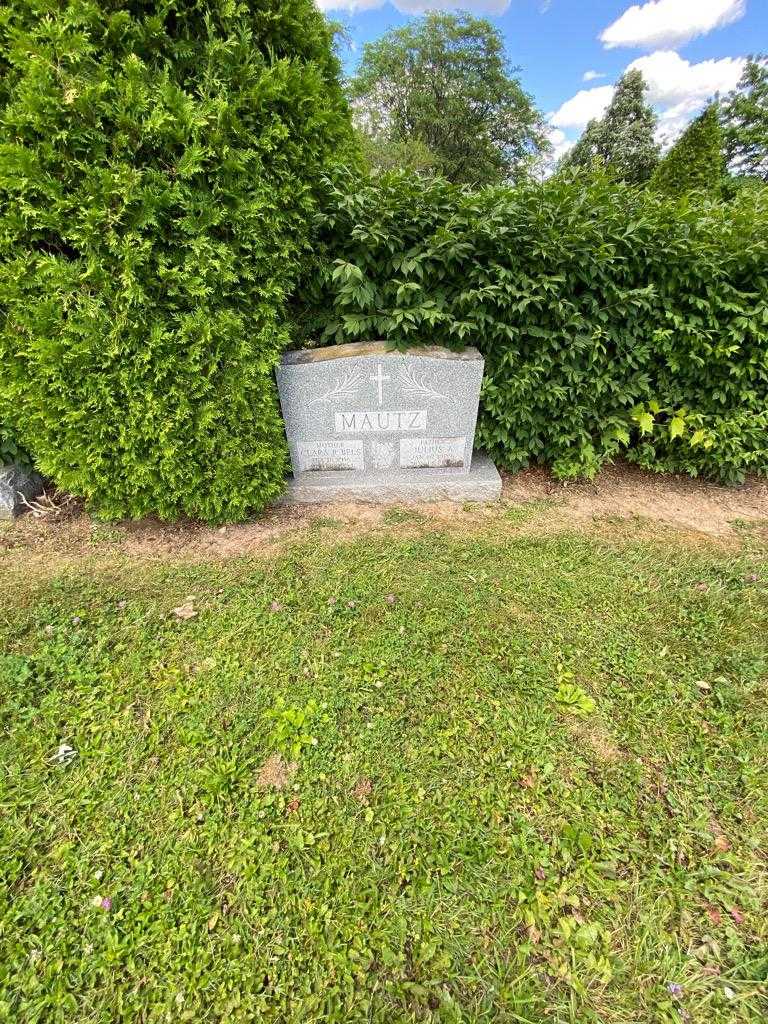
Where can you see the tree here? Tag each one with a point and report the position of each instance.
(444, 82)
(745, 121)
(696, 161)
(623, 139)
(160, 167)
(382, 154)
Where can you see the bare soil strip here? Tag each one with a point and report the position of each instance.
(532, 500)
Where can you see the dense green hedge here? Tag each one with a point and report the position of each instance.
(159, 165)
(611, 319)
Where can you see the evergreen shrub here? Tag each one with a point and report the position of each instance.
(696, 162)
(9, 448)
(612, 319)
(159, 164)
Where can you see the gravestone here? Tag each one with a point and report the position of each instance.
(367, 423)
(16, 482)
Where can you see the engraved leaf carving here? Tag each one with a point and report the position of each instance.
(344, 389)
(413, 385)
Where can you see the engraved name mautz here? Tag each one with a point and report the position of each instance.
(379, 421)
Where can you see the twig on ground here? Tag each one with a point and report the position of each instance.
(54, 505)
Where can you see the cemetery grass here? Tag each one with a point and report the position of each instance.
(491, 777)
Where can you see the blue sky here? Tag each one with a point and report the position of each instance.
(687, 49)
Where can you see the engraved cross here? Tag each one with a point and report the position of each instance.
(378, 378)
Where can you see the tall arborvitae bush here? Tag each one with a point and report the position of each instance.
(696, 162)
(159, 164)
(612, 320)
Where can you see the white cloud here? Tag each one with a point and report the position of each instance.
(418, 6)
(677, 89)
(673, 122)
(560, 144)
(670, 22)
(590, 76)
(672, 80)
(581, 108)
(680, 89)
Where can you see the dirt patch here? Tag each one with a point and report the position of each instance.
(625, 491)
(362, 790)
(532, 502)
(185, 611)
(598, 739)
(275, 773)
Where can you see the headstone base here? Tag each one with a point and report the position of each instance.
(481, 483)
(15, 481)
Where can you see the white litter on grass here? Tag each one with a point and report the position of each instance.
(64, 754)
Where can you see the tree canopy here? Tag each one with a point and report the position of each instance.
(443, 82)
(745, 121)
(696, 161)
(623, 139)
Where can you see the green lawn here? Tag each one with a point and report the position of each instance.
(530, 783)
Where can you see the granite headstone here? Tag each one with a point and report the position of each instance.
(366, 422)
(17, 483)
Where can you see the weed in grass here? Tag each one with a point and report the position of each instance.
(290, 724)
(574, 699)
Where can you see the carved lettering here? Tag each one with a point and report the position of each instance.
(433, 453)
(368, 421)
(323, 456)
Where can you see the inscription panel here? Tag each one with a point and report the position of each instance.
(432, 452)
(379, 421)
(320, 456)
